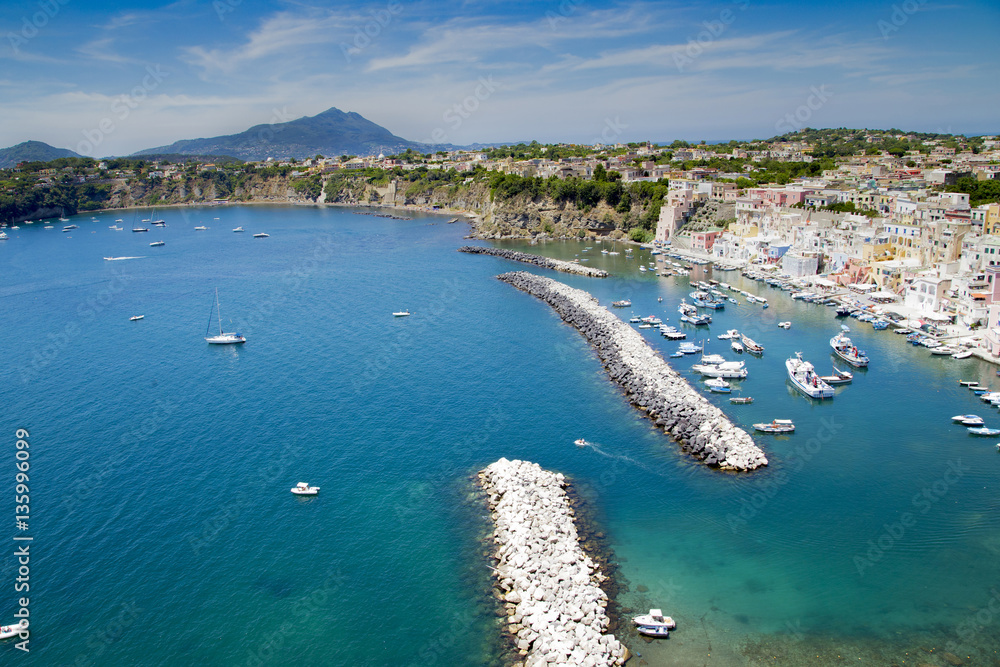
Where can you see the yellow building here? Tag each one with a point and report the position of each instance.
(991, 223)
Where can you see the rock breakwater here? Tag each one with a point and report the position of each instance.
(537, 260)
(555, 606)
(701, 428)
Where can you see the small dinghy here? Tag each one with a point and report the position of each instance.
(303, 489)
(653, 631)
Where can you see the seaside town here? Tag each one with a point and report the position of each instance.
(908, 225)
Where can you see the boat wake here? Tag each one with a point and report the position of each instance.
(622, 457)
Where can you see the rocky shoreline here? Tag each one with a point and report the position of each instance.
(537, 260)
(551, 588)
(700, 428)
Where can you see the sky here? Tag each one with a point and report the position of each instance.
(110, 78)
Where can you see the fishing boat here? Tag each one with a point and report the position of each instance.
(303, 489)
(697, 319)
(135, 318)
(804, 378)
(982, 430)
(741, 400)
(655, 619)
(776, 426)
(751, 346)
(848, 351)
(838, 377)
(222, 338)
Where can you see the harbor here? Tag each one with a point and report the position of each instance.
(790, 564)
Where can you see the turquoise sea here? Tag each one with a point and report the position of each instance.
(164, 532)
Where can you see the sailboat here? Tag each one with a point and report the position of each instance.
(223, 338)
(140, 228)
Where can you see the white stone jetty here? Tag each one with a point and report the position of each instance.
(701, 428)
(555, 606)
(537, 260)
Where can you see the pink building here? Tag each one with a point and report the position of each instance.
(704, 241)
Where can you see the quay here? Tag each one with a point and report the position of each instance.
(550, 587)
(537, 260)
(698, 426)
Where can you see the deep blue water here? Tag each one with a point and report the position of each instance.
(164, 532)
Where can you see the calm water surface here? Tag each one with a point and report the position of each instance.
(164, 532)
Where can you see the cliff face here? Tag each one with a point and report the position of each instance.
(520, 217)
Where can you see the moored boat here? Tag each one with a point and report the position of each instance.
(655, 619)
(804, 378)
(653, 630)
(982, 430)
(838, 377)
(622, 303)
(848, 351)
(741, 400)
(718, 385)
(750, 345)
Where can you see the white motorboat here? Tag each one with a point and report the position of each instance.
(580, 442)
(222, 338)
(623, 303)
(261, 236)
(964, 418)
(962, 354)
(776, 426)
(238, 229)
(402, 313)
(655, 619)
(303, 489)
(727, 369)
(3, 236)
(729, 335)
(8, 631)
(848, 351)
(689, 348)
(982, 430)
(942, 351)
(804, 378)
(713, 359)
(135, 318)
(157, 243)
(784, 325)
(737, 346)
(201, 228)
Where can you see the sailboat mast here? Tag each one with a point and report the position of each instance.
(217, 308)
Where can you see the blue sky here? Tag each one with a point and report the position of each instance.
(111, 78)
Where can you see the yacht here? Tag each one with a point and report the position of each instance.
(728, 369)
(222, 338)
(804, 378)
